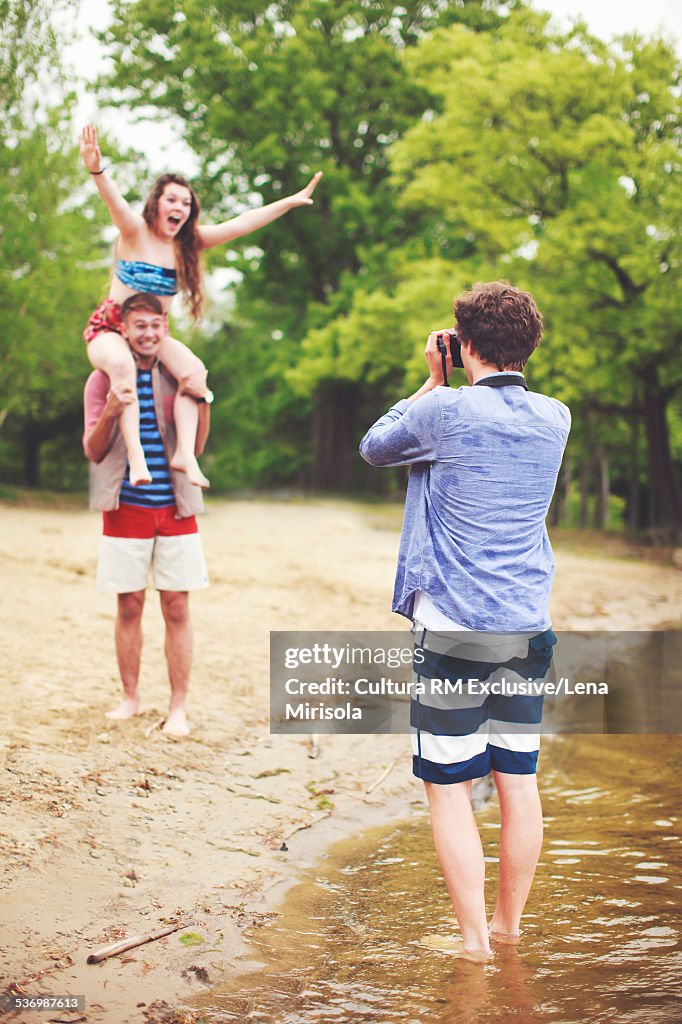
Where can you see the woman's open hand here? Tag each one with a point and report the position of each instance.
(304, 197)
(90, 151)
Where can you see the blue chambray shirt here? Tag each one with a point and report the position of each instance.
(484, 466)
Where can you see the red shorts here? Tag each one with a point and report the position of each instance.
(106, 317)
(146, 523)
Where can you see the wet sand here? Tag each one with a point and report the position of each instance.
(113, 829)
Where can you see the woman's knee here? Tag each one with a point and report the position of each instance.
(198, 369)
(122, 371)
(110, 353)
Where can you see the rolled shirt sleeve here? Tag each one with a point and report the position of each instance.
(483, 466)
(409, 432)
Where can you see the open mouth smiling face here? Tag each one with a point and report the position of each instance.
(175, 206)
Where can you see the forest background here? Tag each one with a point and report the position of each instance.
(459, 142)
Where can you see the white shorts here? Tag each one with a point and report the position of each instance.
(177, 563)
(170, 547)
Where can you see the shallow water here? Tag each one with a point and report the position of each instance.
(601, 938)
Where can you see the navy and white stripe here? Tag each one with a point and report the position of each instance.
(159, 493)
(462, 736)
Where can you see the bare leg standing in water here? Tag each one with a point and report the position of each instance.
(460, 855)
(520, 845)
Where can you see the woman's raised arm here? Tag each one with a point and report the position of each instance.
(126, 220)
(217, 234)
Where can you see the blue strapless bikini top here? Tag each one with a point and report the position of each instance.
(146, 277)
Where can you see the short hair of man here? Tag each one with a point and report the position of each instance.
(502, 323)
(141, 302)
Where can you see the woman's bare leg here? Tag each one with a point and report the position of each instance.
(186, 416)
(109, 352)
(188, 370)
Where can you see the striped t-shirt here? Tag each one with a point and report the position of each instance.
(159, 493)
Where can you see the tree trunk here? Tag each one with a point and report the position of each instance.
(601, 504)
(35, 432)
(663, 474)
(32, 443)
(585, 474)
(565, 480)
(334, 440)
(651, 506)
(633, 495)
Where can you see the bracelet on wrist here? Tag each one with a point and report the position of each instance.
(97, 172)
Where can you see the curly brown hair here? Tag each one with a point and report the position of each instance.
(502, 323)
(187, 245)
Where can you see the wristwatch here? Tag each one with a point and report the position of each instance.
(208, 398)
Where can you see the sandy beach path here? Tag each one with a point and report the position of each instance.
(110, 829)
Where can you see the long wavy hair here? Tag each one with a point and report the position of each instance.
(187, 247)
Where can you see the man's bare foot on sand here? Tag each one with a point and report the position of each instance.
(176, 723)
(454, 946)
(126, 709)
(188, 464)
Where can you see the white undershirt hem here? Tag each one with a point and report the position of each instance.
(426, 613)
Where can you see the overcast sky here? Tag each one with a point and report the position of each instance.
(161, 142)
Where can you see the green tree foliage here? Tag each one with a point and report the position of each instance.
(49, 275)
(569, 153)
(27, 49)
(268, 94)
(552, 161)
(549, 159)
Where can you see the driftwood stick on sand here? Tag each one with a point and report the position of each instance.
(384, 775)
(135, 940)
(306, 824)
(155, 725)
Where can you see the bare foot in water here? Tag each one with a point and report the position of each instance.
(126, 709)
(505, 938)
(188, 464)
(176, 723)
(454, 946)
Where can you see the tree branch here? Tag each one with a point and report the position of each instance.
(629, 288)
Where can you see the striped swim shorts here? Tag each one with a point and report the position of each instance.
(472, 710)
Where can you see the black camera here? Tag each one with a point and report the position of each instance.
(455, 347)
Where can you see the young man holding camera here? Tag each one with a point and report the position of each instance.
(475, 556)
